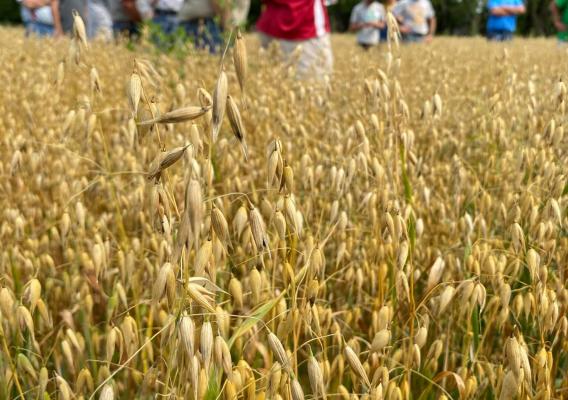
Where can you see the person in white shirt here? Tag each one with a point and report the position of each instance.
(99, 23)
(41, 17)
(367, 18)
(417, 20)
(239, 12)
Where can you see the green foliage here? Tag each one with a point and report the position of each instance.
(174, 43)
(9, 11)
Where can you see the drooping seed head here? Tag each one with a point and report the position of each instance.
(219, 102)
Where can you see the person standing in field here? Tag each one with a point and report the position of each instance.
(294, 23)
(41, 17)
(502, 21)
(367, 18)
(417, 20)
(125, 18)
(100, 20)
(559, 10)
(197, 18)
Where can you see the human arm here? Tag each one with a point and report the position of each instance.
(430, 15)
(431, 29)
(355, 23)
(381, 24)
(33, 4)
(56, 18)
(503, 10)
(498, 11)
(560, 26)
(515, 10)
(399, 12)
(355, 26)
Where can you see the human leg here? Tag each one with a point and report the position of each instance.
(315, 58)
(204, 33)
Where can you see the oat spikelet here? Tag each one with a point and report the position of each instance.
(393, 31)
(194, 207)
(296, 390)
(24, 363)
(236, 292)
(237, 124)
(356, 365)
(194, 376)
(206, 344)
(437, 101)
(200, 295)
(95, 81)
(510, 387)
(381, 340)
(60, 75)
(278, 351)
(223, 355)
(513, 354)
(203, 257)
(219, 103)
(177, 116)
(435, 273)
(258, 230)
(220, 226)
(241, 64)
(33, 293)
(65, 391)
(134, 91)
(165, 283)
(187, 335)
(255, 283)
(43, 379)
(287, 178)
(107, 393)
(166, 160)
(79, 29)
(315, 376)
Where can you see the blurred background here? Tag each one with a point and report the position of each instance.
(456, 17)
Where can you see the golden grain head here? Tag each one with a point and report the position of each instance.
(378, 221)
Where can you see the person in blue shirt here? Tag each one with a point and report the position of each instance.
(502, 20)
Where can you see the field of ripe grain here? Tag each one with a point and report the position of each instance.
(396, 231)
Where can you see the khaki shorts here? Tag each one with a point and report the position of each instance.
(313, 57)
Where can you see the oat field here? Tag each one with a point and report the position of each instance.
(397, 231)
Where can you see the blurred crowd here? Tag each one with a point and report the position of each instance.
(201, 20)
(416, 20)
(204, 20)
(300, 28)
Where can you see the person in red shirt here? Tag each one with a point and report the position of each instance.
(292, 23)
